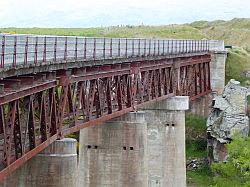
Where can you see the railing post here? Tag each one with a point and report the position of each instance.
(133, 47)
(158, 47)
(154, 46)
(14, 54)
(126, 50)
(2, 54)
(35, 55)
(26, 51)
(104, 44)
(85, 48)
(119, 47)
(149, 50)
(94, 50)
(44, 50)
(76, 49)
(172, 46)
(55, 46)
(111, 46)
(139, 47)
(65, 49)
(163, 50)
(145, 47)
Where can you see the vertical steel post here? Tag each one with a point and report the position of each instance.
(119, 47)
(139, 47)
(111, 46)
(76, 45)
(158, 47)
(85, 48)
(94, 49)
(55, 46)
(133, 47)
(145, 47)
(104, 44)
(154, 46)
(26, 51)
(126, 50)
(35, 55)
(163, 47)
(44, 50)
(65, 49)
(149, 50)
(14, 54)
(2, 54)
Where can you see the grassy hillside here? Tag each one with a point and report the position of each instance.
(235, 32)
(170, 31)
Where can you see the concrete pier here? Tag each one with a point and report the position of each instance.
(166, 142)
(114, 154)
(217, 71)
(56, 166)
(201, 106)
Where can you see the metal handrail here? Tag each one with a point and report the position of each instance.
(29, 50)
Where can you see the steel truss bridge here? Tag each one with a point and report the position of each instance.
(53, 86)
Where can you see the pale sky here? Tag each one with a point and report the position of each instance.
(92, 13)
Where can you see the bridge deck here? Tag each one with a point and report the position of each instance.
(41, 101)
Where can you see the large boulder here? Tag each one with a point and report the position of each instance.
(228, 116)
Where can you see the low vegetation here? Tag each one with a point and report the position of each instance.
(236, 171)
(196, 148)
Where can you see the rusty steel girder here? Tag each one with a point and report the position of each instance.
(37, 109)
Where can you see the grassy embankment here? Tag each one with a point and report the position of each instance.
(235, 32)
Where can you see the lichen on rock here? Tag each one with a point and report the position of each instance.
(228, 116)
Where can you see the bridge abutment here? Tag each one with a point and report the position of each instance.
(56, 166)
(217, 71)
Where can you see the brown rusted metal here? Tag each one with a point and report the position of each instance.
(81, 97)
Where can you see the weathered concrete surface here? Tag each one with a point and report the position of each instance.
(228, 116)
(217, 71)
(114, 153)
(166, 142)
(56, 166)
(201, 106)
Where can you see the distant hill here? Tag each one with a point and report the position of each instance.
(234, 32)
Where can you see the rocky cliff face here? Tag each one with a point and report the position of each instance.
(228, 116)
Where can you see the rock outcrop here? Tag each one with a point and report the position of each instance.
(228, 116)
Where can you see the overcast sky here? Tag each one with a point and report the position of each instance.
(92, 13)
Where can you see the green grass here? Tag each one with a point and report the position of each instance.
(195, 136)
(238, 61)
(196, 147)
(200, 178)
(174, 31)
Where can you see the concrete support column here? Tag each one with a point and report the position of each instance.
(217, 71)
(56, 166)
(114, 154)
(166, 142)
(201, 106)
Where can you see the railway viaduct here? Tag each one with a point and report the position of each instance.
(126, 97)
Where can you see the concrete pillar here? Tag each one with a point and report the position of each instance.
(114, 154)
(166, 142)
(56, 166)
(217, 71)
(201, 106)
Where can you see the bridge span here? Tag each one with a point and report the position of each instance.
(53, 86)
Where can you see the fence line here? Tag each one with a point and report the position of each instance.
(30, 50)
